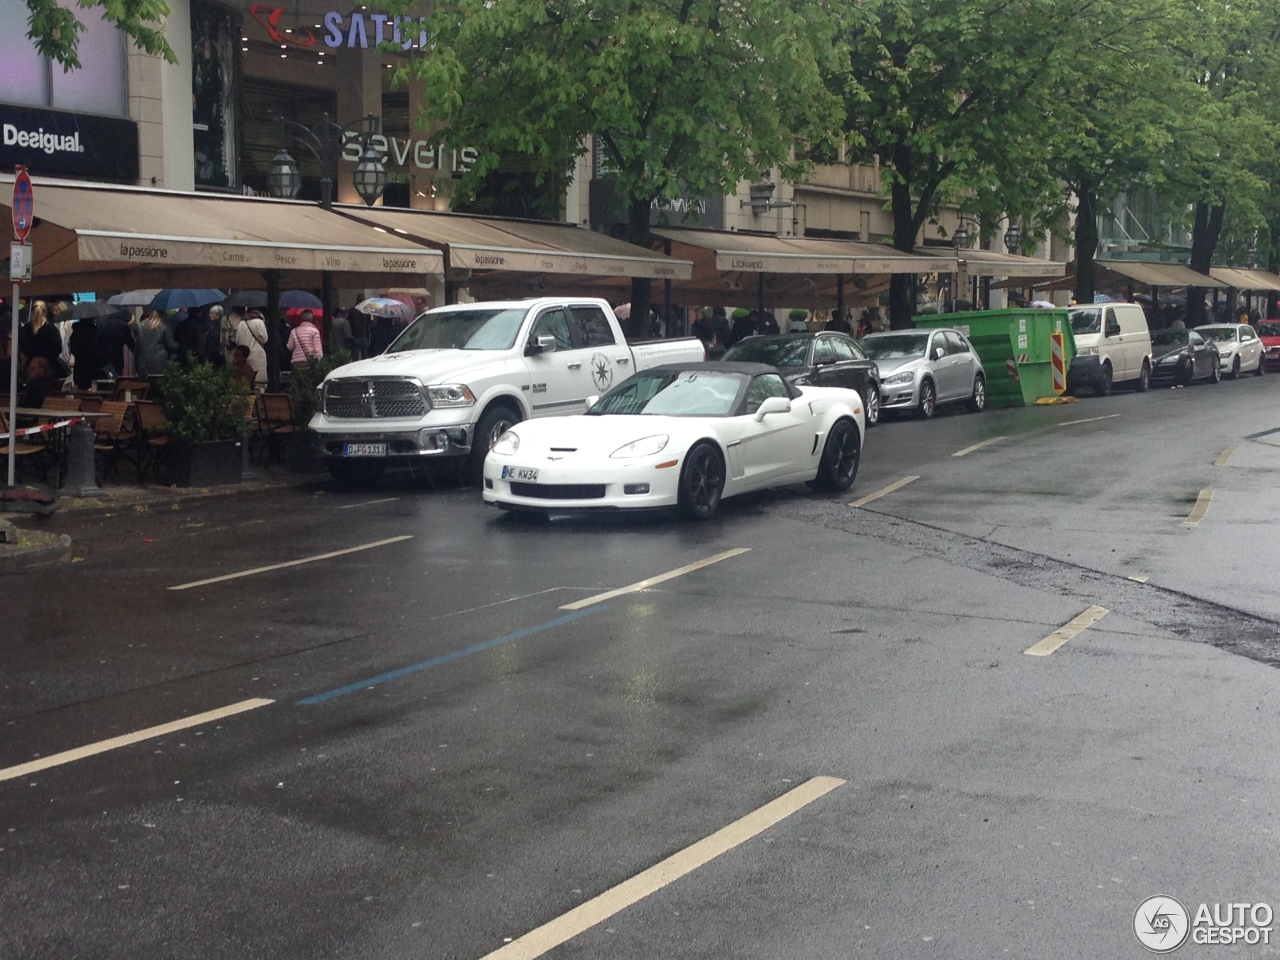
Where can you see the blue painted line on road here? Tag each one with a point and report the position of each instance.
(447, 658)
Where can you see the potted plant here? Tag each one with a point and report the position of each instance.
(204, 409)
(302, 453)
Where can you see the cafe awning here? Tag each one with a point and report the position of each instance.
(94, 237)
(755, 253)
(1244, 279)
(993, 263)
(477, 244)
(1159, 274)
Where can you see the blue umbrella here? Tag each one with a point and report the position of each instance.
(300, 300)
(175, 299)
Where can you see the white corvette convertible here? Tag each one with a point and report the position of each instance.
(682, 436)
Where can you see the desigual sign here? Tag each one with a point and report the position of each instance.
(55, 141)
(359, 29)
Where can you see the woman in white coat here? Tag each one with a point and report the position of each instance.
(251, 332)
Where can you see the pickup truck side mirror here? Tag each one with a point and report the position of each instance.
(543, 343)
(772, 405)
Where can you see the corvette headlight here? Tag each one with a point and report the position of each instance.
(506, 445)
(904, 377)
(451, 395)
(645, 447)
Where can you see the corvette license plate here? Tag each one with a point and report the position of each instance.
(364, 449)
(523, 474)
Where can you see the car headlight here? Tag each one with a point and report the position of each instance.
(506, 445)
(645, 447)
(1087, 352)
(451, 395)
(905, 377)
(1168, 359)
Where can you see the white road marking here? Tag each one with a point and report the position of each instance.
(1226, 455)
(368, 503)
(883, 491)
(1139, 577)
(1109, 416)
(651, 581)
(1065, 632)
(124, 740)
(1200, 509)
(291, 563)
(550, 935)
(978, 446)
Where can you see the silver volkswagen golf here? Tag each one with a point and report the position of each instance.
(920, 369)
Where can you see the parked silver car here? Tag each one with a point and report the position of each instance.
(920, 369)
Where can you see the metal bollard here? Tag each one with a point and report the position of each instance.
(246, 461)
(82, 480)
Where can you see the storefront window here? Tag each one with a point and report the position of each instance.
(265, 103)
(214, 33)
(29, 79)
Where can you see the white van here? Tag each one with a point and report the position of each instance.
(1113, 345)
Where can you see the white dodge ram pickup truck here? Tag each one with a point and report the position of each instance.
(460, 375)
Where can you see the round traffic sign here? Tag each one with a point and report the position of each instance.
(24, 205)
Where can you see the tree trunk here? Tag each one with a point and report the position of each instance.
(902, 286)
(1204, 241)
(636, 326)
(1086, 241)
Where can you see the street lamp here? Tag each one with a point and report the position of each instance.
(960, 236)
(1013, 237)
(284, 181)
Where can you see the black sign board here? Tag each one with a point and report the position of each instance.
(57, 142)
(609, 209)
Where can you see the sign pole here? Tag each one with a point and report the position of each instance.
(23, 212)
(13, 385)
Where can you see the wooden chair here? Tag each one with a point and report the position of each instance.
(115, 437)
(24, 451)
(275, 421)
(129, 390)
(153, 436)
(58, 402)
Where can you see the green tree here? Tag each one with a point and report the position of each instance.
(944, 95)
(55, 30)
(678, 95)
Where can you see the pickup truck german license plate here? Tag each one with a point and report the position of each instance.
(522, 474)
(364, 449)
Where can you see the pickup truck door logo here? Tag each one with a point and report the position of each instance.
(601, 372)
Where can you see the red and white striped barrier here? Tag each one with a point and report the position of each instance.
(1056, 352)
(43, 428)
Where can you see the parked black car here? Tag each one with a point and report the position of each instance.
(1181, 356)
(823, 359)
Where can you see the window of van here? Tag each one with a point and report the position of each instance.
(1086, 320)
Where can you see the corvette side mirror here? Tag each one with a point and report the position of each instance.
(772, 405)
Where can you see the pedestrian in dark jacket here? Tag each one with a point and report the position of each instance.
(744, 326)
(41, 382)
(114, 334)
(384, 331)
(84, 348)
(156, 345)
(40, 338)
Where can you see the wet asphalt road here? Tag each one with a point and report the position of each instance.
(520, 759)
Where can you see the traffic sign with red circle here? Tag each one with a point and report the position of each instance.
(24, 205)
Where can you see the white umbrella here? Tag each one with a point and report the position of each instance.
(622, 311)
(1044, 305)
(133, 298)
(385, 307)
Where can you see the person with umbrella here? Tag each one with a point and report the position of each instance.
(40, 338)
(114, 337)
(85, 350)
(156, 345)
(305, 343)
(251, 333)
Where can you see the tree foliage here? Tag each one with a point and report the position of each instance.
(55, 29)
(677, 95)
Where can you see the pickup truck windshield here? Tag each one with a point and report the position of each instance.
(461, 330)
(688, 393)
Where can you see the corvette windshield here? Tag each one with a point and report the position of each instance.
(683, 393)
(461, 330)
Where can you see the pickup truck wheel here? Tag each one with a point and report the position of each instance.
(495, 422)
(701, 482)
(356, 474)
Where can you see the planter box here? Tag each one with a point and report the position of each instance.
(203, 464)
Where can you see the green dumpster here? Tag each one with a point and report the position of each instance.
(1015, 348)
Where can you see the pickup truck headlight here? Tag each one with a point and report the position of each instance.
(506, 445)
(1087, 352)
(905, 377)
(645, 447)
(451, 395)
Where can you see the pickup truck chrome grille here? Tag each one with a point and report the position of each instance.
(359, 398)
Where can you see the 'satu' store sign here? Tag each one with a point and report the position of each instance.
(359, 29)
